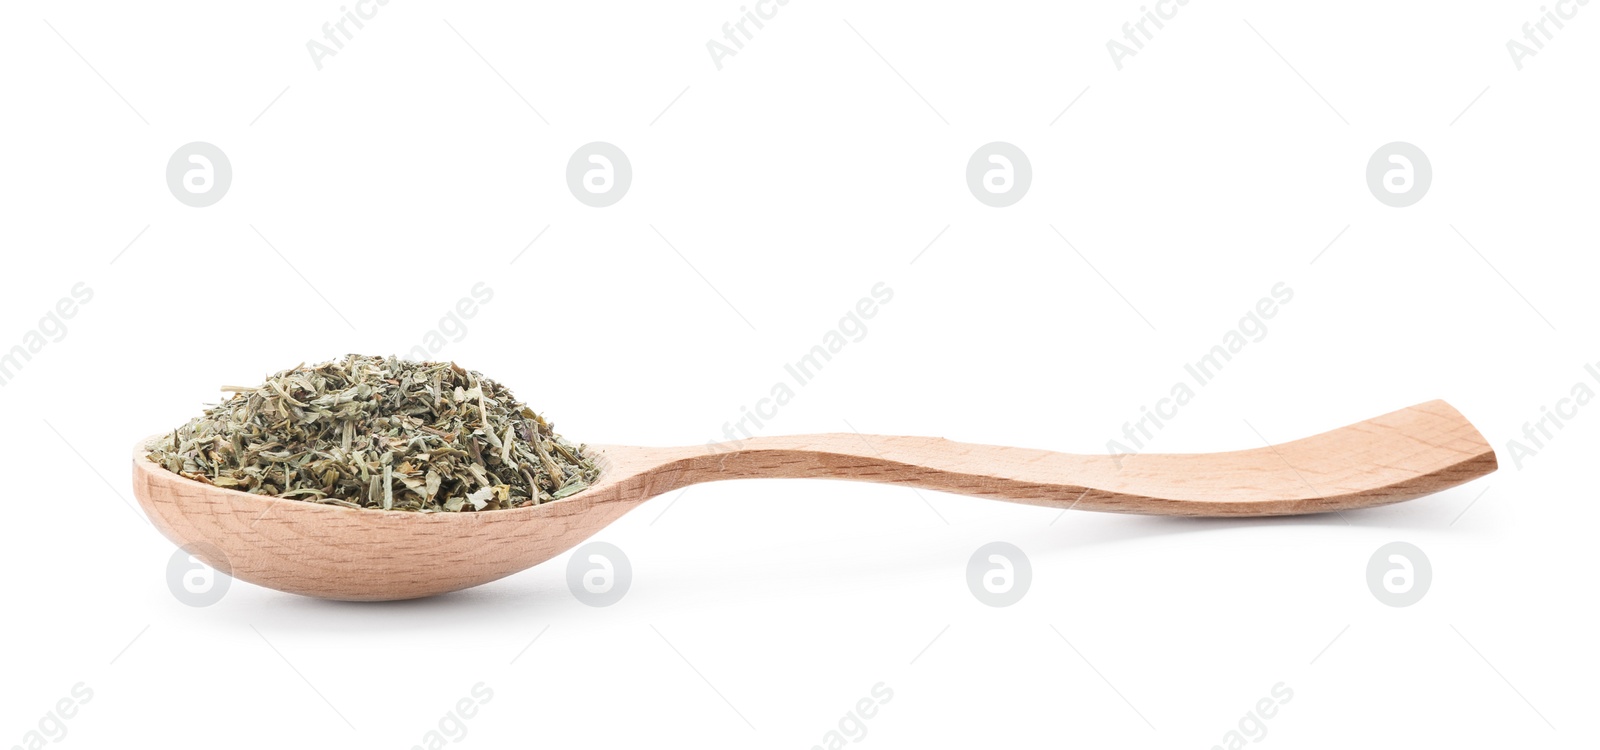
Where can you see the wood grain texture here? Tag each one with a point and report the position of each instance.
(343, 553)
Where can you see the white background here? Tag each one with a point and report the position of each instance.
(790, 182)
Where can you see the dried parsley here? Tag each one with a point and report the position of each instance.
(381, 433)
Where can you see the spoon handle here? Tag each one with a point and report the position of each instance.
(1398, 456)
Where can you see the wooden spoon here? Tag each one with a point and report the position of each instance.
(344, 553)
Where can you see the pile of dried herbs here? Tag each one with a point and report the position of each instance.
(371, 432)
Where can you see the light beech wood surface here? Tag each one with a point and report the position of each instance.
(344, 553)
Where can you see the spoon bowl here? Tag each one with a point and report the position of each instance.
(376, 555)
